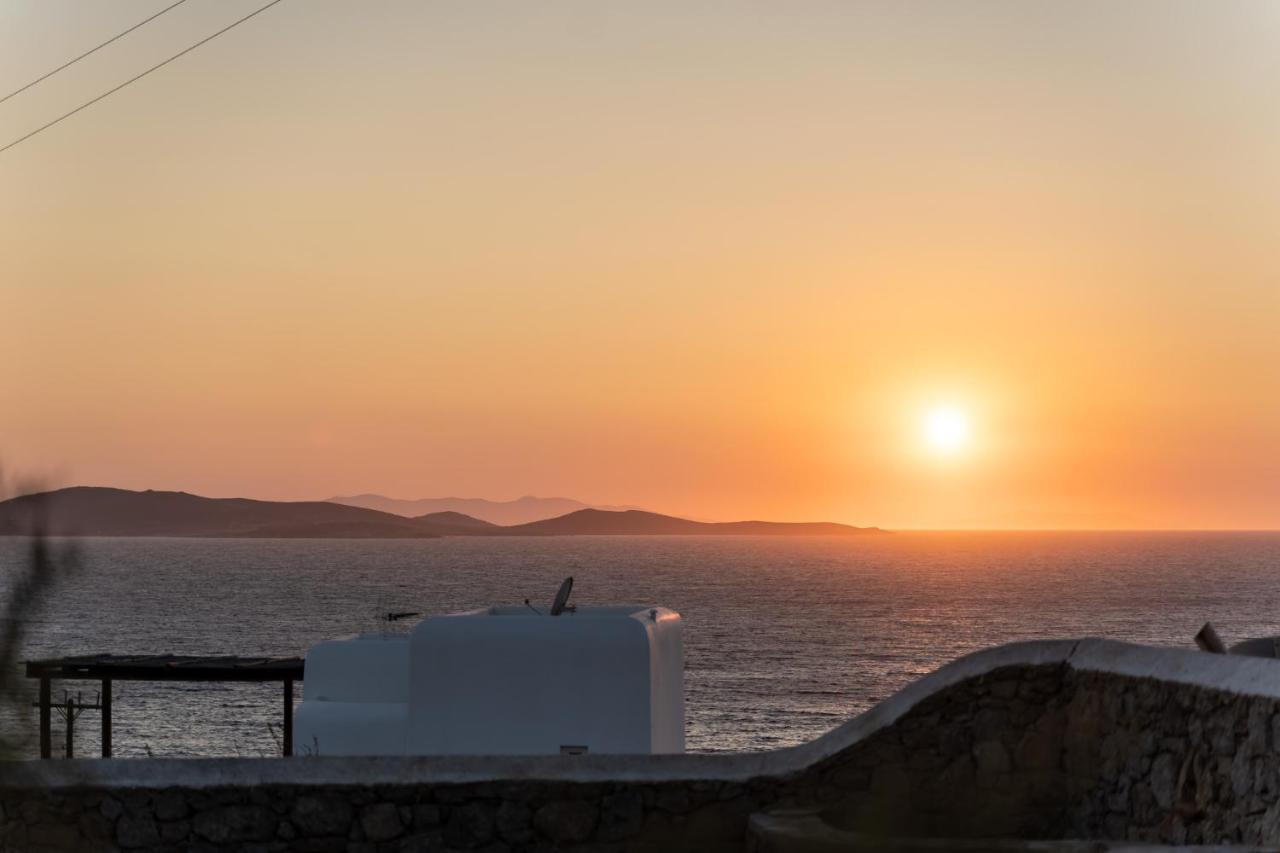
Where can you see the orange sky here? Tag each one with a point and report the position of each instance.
(715, 259)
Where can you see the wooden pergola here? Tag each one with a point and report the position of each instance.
(109, 668)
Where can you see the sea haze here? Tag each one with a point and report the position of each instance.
(784, 638)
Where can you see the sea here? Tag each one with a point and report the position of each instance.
(785, 638)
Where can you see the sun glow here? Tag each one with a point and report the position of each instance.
(946, 430)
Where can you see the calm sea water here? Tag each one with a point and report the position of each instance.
(784, 638)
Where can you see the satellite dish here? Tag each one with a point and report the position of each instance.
(562, 597)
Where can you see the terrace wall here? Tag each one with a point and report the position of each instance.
(1088, 739)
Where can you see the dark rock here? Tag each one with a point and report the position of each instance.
(135, 802)
(175, 831)
(990, 723)
(1241, 775)
(991, 757)
(137, 831)
(94, 827)
(514, 822)
(1143, 809)
(321, 815)
(714, 826)
(1006, 689)
(672, 798)
(13, 836)
(1136, 763)
(954, 739)
(381, 822)
(731, 791)
(1118, 799)
(621, 816)
(850, 776)
(54, 837)
(397, 794)
(111, 808)
(318, 845)
(890, 780)
(426, 842)
(566, 821)
(1039, 750)
(1163, 780)
(454, 794)
(426, 815)
(469, 826)
(169, 805)
(235, 823)
(959, 775)
(883, 750)
(925, 761)
(1220, 732)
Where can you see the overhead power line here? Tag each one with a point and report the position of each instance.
(138, 77)
(90, 51)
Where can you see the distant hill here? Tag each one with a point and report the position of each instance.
(594, 522)
(456, 524)
(94, 511)
(455, 519)
(519, 511)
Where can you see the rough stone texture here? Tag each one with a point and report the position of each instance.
(321, 815)
(566, 821)
(235, 823)
(381, 821)
(137, 831)
(1035, 751)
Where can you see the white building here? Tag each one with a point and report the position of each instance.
(501, 681)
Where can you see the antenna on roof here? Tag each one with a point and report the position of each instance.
(561, 602)
(397, 616)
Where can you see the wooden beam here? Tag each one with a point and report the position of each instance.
(167, 668)
(106, 718)
(71, 727)
(288, 717)
(46, 723)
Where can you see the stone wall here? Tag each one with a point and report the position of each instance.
(1047, 740)
(1052, 752)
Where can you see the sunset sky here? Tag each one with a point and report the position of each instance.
(723, 260)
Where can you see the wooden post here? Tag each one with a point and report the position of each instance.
(288, 717)
(71, 727)
(106, 717)
(46, 726)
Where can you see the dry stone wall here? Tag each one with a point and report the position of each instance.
(1051, 747)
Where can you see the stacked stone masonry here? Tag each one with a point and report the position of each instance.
(1023, 751)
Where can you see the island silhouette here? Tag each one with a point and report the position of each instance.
(506, 513)
(104, 511)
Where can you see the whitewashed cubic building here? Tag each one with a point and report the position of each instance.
(501, 681)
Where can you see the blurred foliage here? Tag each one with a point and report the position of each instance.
(29, 581)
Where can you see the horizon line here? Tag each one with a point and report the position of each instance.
(635, 508)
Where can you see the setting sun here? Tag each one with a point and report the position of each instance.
(993, 306)
(946, 429)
